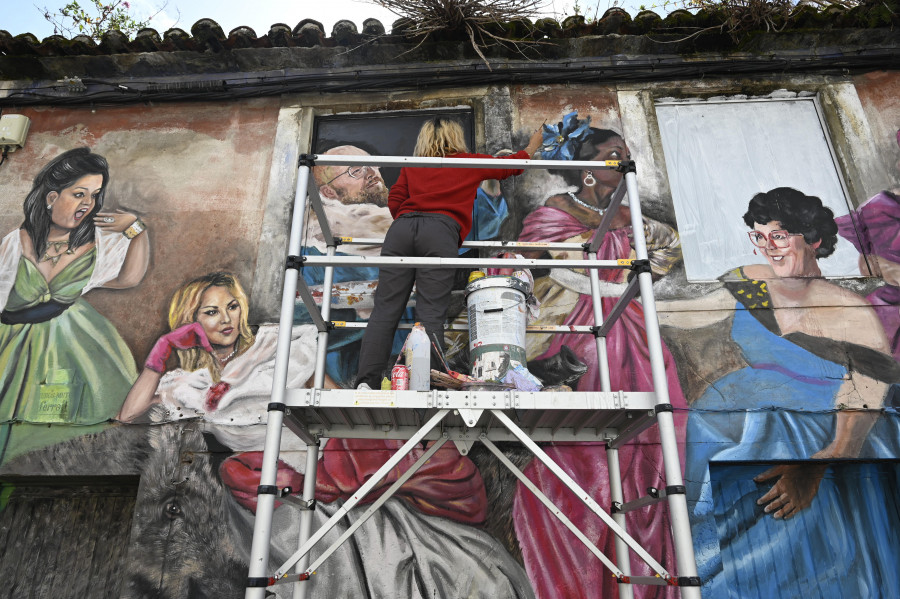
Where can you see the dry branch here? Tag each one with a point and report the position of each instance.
(473, 19)
(743, 16)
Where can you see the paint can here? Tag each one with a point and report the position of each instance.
(497, 320)
(400, 378)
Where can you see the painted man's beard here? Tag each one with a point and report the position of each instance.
(377, 195)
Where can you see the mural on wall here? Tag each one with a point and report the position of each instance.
(224, 377)
(571, 214)
(814, 360)
(62, 362)
(780, 407)
(874, 230)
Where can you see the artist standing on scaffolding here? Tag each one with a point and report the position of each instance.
(432, 210)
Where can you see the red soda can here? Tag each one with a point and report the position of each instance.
(400, 378)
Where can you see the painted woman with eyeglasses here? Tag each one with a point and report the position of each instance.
(810, 347)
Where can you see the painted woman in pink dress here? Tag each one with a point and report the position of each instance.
(874, 229)
(557, 563)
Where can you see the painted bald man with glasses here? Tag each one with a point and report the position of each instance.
(353, 184)
(355, 200)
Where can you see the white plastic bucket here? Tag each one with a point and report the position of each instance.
(497, 320)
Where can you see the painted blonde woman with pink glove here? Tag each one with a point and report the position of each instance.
(224, 372)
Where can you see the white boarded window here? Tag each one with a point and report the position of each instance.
(720, 153)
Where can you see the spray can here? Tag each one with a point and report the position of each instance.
(400, 378)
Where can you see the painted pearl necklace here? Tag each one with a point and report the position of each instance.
(599, 211)
(224, 360)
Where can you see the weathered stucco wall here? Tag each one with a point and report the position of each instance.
(757, 391)
(195, 173)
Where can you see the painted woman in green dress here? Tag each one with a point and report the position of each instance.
(61, 362)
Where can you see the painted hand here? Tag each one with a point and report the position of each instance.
(242, 472)
(794, 490)
(116, 221)
(186, 337)
(534, 144)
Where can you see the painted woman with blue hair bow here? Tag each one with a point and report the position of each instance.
(573, 216)
(562, 140)
(565, 299)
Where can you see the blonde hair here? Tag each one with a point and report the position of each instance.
(183, 310)
(439, 137)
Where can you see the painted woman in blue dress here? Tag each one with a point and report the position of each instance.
(765, 523)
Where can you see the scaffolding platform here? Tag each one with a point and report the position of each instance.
(473, 415)
(614, 417)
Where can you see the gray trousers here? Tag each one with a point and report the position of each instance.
(421, 234)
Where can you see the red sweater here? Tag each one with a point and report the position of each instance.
(449, 191)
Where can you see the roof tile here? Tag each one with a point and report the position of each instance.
(206, 34)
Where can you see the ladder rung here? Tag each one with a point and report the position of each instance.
(583, 329)
(520, 245)
(417, 262)
(437, 162)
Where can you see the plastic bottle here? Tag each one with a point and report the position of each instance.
(418, 358)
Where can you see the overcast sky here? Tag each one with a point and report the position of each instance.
(26, 16)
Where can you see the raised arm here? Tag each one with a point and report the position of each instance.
(137, 257)
(143, 393)
(534, 144)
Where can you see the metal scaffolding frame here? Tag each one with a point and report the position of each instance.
(467, 417)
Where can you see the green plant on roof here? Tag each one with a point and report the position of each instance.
(95, 18)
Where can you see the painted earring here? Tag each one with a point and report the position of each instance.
(754, 252)
(589, 180)
(48, 206)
